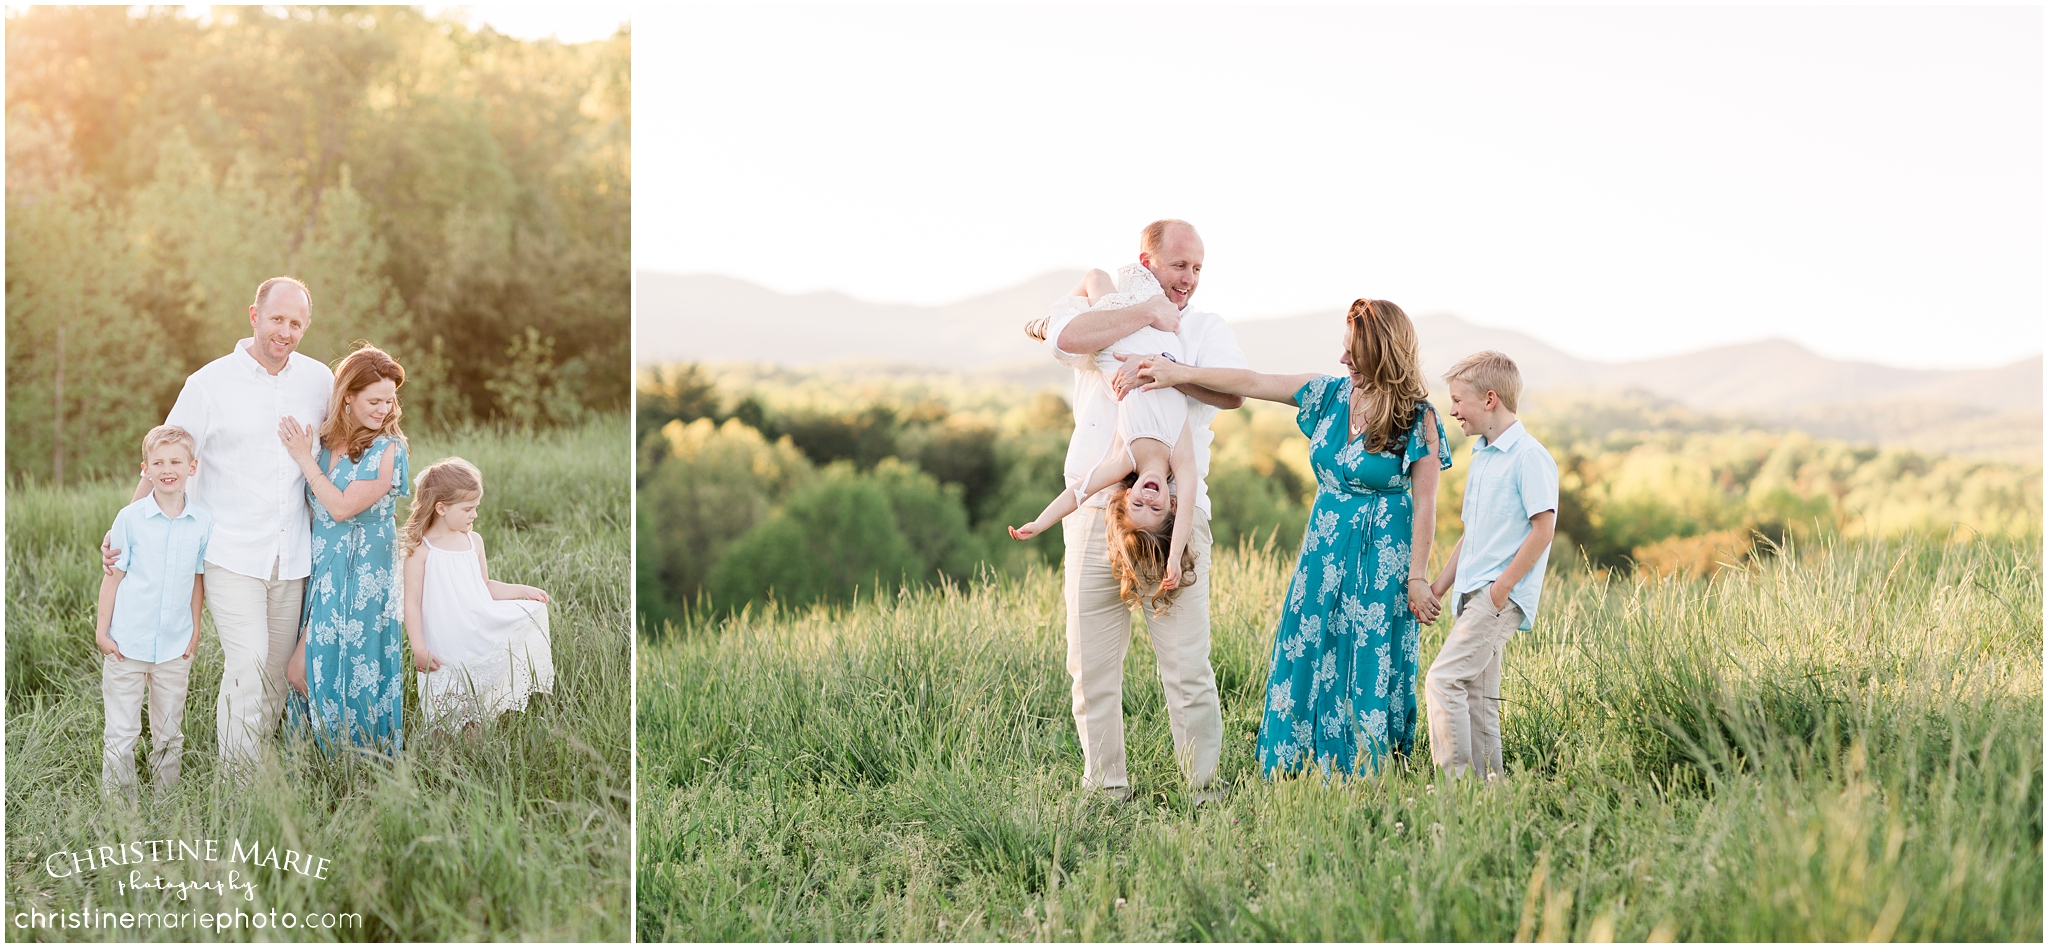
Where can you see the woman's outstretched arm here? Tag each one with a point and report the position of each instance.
(1160, 372)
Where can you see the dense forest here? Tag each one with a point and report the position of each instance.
(455, 196)
(816, 486)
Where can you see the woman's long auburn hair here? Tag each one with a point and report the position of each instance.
(366, 366)
(1386, 362)
(447, 481)
(1137, 557)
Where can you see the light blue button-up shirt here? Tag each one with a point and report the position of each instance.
(1510, 480)
(160, 554)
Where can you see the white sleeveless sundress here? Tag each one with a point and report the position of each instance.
(1159, 414)
(493, 652)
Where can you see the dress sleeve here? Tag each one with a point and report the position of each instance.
(373, 461)
(1418, 445)
(401, 472)
(1313, 399)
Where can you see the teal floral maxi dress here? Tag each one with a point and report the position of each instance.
(355, 606)
(1341, 692)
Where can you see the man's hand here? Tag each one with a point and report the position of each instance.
(1165, 315)
(108, 556)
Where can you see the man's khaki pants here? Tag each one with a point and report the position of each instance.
(123, 683)
(1099, 635)
(1464, 686)
(258, 621)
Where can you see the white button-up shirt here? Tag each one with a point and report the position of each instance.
(247, 481)
(1206, 341)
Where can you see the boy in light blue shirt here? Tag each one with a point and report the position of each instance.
(1496, 568)
(149, 613)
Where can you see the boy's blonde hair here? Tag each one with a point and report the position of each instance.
(169, 434)
(1489, 371)
(447, 481)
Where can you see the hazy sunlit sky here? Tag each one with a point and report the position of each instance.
(1622, 182)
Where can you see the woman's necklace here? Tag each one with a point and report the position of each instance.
(1358, 406)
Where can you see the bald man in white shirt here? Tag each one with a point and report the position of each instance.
(1098, 621)
(260, 554)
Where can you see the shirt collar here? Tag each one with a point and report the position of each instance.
(257, 367)
(153, 510)
(1507, 439)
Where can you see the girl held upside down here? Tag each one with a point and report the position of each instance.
(1152, 455)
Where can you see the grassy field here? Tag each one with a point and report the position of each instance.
(521, 834)
(1839, 744)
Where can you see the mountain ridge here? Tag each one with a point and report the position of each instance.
(717, 318)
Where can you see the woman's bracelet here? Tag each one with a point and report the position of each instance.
(1417, 579)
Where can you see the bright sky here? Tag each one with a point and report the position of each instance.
(1622, 182)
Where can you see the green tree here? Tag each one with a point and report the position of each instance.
(84, 381)
(932, 519)
(458, 197)
(829, 542)
(852, 531)
(714, 483)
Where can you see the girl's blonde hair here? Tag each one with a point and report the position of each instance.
(1387, 360)
(356, 371)
(1137, 557)
(447, 481)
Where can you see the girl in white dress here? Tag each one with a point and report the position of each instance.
(1152, 454)
(480, 646)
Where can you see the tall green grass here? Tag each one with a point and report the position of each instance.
(520, 833)
(1840, 743)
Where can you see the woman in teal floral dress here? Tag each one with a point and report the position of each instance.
(347, 674)
(1341, 690)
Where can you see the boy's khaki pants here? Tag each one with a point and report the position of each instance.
(123, 683)
(258, 622)
(1464, 686)
(1099, 636)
